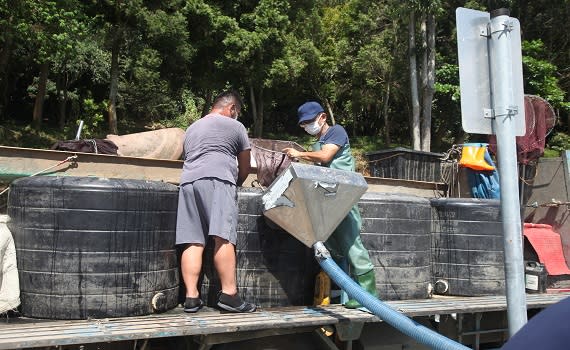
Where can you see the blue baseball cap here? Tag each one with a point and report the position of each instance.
(308, 111)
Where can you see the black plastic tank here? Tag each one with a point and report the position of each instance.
(93, 247)
(396, 232)
(467, 247)
(273, 268)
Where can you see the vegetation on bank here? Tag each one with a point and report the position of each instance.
(385, 70)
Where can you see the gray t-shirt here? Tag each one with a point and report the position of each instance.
(211, 146)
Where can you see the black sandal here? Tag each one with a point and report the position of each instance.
(234, 303)
(193, 304)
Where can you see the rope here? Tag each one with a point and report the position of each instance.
(94, 145)
(552, 203)
(450, 173)
(388, 157)
(530, 180)
(70, 158)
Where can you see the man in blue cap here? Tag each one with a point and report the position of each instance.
(333, 150)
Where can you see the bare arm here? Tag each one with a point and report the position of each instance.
(244, 166)
(324, 155)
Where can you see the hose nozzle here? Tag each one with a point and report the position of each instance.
(321, 252)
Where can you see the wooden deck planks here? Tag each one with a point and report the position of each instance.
(26, 333)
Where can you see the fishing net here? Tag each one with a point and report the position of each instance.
(269, 160)
(540, 119)
(99, 146)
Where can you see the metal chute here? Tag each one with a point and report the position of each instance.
(310, 201)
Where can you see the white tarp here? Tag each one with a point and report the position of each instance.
(9, 283)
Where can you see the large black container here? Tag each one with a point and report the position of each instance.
(93, 247)
(405, 164)
(467, 247)
(396, 232)
(535, 277)
(273, 267)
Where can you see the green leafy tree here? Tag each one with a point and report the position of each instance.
(150, 54)
(254, 47)
(46, 31)
(14, 28)
(157, 70)
(541, 75)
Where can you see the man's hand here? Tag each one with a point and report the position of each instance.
(291, 152)
(324, 155)
(244, 166)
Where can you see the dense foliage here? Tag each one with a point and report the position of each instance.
(123, 66)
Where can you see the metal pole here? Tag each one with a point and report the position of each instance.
(504, 111)
(79, 130)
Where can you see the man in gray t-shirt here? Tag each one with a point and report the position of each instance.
(216, 161)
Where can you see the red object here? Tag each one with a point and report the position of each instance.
(548, 247)
(539, 120)
(557, 290)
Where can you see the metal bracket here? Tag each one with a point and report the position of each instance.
(207, 341)
(506, 26)
(489, 113)
(484, 31)
(325, 341)
(349, 330)
(506, 111)
(329, 189)
(491, 28)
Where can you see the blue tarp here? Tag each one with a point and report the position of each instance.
(484, 184)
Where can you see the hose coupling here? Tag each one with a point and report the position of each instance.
(321, 252)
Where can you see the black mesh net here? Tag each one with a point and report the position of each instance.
(269, 159)
(100, 146)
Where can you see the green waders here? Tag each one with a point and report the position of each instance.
(345, 241)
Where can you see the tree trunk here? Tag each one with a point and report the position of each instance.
(414, 83)
(329, 110)
(429, 87)
(256, 110)
(62, 100)
(113, 90)
(258, 126)
(252, 100)
(327, 104)
(39, 104)
(63, 108)
(386, 100)
(4, 61)
(423, 76)
(207, 103)
(424, 50)
(385, 108)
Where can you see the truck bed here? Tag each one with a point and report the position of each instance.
(21, 332)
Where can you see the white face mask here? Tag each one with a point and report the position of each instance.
(313, 128)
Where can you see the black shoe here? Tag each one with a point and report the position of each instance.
(193, 304)
(234, 303)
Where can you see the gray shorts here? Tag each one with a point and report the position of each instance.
(206, 207)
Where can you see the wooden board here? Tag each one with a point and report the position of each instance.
(20, 162)
(19, 333)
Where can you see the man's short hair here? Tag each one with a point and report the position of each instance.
(227, 97)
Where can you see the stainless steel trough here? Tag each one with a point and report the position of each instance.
(310, 201)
